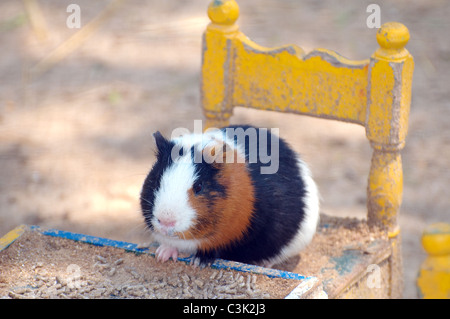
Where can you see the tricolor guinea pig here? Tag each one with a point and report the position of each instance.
(208, 195)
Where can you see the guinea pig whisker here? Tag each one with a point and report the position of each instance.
(184, 235)
(146, 200)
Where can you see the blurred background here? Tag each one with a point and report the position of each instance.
(77, 111)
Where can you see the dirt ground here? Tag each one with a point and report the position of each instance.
(76, 140)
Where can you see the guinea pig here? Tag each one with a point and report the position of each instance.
(207, 195)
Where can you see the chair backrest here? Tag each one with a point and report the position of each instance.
(374, 93)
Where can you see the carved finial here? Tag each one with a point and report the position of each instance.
(392, 35)
(436, 239)
(223, 12)
(392, 38)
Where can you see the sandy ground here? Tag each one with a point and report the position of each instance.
(76, 141)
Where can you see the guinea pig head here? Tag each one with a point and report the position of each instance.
(164, 200)
(198, 192)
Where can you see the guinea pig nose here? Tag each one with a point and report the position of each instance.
(166, 222)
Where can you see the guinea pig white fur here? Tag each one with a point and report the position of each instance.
(207, 195)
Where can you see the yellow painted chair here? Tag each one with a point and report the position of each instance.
(374, 93)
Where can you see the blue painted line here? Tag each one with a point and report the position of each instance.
(218, 264)
(269, 272)
(93, 240)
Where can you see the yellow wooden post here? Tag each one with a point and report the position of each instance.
(218, 63)
(389, 98)
(434, 276)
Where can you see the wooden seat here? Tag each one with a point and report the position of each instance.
(374, 93)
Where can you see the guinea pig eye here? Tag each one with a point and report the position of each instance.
(197, 188)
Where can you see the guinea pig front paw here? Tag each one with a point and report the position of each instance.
(163, 253)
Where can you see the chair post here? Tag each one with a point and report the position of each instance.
(389, 97)
(217, 62)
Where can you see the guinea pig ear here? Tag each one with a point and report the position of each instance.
(218, 153)
(161, 142)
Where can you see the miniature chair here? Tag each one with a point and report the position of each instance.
(374, 93)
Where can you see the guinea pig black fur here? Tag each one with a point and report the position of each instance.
(208, 195)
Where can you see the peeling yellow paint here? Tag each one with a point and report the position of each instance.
(285, 79)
